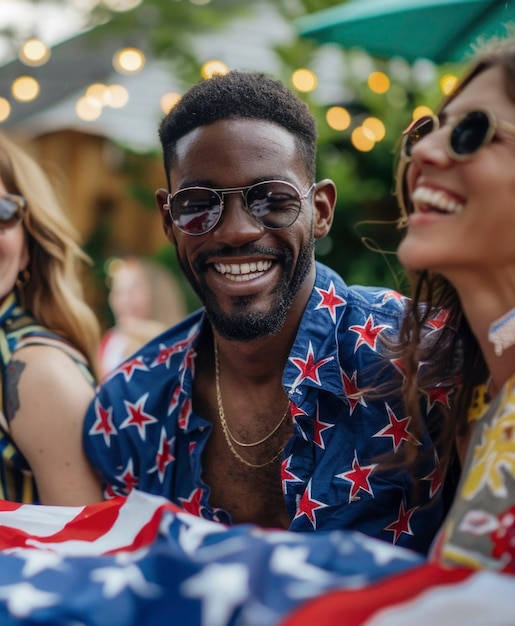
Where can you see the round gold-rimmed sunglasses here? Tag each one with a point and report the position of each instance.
(12, 210)
(275, 204)
(468, 134)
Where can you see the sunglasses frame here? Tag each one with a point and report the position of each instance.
(18, 215)
(494, 124)
(244, 192)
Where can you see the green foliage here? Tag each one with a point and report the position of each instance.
(364, 236)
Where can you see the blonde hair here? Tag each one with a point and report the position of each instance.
(53, 292)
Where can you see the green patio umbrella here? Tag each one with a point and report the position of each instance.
(440, 30)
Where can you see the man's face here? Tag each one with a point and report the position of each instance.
(250, 279)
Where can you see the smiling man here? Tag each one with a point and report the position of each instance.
(277, 402)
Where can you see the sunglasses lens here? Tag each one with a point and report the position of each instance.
(195, 211)
(470, 134)
(11, 211)
(274, 204)
(418, 130)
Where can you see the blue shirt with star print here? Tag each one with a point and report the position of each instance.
(343, 384)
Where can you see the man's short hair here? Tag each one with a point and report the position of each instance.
(239, 95)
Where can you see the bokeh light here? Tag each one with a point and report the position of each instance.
(212, 67)
(448, 83)
(376, 127)
(25, 88)
(129, 61)
(5, 109)
(362, 139)
(421, 111)
(34, 52)
(338, 118)
(168, 101)
(88, 109)
(304, 80)
(378, 82)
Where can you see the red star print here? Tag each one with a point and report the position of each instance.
(295, 413)
(109, 492)
(358, 477)
(189, 360)
(352, 391)
(164, 455)
(166, 352)
(308, 368)
(136, 416)
(308, 506)
(129, 367)
(393, 295)
(128, 477)
(184, 415)
(438, 394)
(399, 366)
(435, 478)
(104, 423)
(174, 400)
(192, 504)
(329, 300)
(402, 523)
(368, 333)
(319, 429)
(396, 429)
(286, 475)
(438, 321)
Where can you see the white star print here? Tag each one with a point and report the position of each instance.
(116, 579)
(383, 552)
(221, 588)
(37, 561)
(291, 561)
(23, 598)
(194, 530)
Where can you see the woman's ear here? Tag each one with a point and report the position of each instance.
(324, 201)
(162, 204)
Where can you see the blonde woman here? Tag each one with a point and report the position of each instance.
(48, 339)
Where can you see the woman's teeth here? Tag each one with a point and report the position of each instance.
(243, 271)
(435, 200)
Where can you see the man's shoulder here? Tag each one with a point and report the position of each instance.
(157, 364)
(376, 299)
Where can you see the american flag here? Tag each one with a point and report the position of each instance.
(141, 561)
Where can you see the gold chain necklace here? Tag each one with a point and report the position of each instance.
(225, 427)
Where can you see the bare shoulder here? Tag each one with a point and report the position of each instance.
(40, 377)
(44, 362)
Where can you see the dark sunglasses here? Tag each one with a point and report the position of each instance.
(274, 204)
(12, 210)
(469, 133)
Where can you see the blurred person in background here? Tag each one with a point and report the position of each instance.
(145, 300)
(48, 342)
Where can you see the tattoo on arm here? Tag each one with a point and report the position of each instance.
(12, 400)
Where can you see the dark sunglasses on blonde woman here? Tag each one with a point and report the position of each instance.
(468, 133)
(12, 210)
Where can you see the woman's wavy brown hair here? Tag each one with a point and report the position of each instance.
(455, 353)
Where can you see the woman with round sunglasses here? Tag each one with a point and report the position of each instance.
(456, 187)
(48, 338)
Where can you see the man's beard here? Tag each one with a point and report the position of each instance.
(247, 325)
